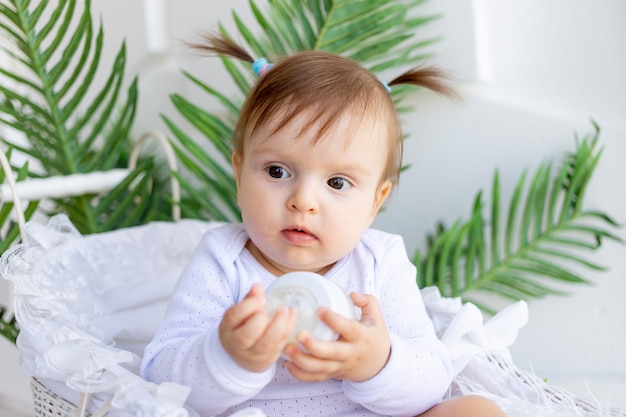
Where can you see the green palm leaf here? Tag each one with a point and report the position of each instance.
(8, 325)
(71, 125)
(545, 230)
(377, 33)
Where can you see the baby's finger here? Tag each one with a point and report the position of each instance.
(249, 332)
(347, 328)
(333, 350)
(256, 290)
(281, 325)
(238, 314)
(370, 308)
(307, 363)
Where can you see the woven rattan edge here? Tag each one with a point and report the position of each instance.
(555, 394)
(48, 404)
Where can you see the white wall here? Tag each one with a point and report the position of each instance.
(541, 70)
(533, 72)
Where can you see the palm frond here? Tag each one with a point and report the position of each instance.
(546, 229)
(378, 33)
(8, 325)
(71, 125)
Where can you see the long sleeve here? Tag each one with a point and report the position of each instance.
(186, 348)
(419, 371)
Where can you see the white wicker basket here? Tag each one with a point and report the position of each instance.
(552, 397)
(47, 404)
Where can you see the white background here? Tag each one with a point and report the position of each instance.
(533, 73)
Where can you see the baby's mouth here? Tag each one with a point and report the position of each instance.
(298, 235)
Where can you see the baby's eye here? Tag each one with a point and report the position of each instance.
(339, 183)
(275, 171)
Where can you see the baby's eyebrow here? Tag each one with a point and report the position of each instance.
(267, 152)
(351, 168)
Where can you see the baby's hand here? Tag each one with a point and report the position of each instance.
(361, 352)
(250, 336)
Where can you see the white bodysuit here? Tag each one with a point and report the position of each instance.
(186, 348)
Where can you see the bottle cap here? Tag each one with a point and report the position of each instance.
(307, 291)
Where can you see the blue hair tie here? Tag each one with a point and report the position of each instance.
(386, 87)
(261, 65)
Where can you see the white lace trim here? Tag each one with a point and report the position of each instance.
(69, 286)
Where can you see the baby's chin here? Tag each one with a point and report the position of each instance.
(279, 262)
(286, 267)
(323, 269)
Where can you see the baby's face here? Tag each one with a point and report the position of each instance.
(306, 204)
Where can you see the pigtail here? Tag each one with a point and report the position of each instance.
(428, 77)
(216, 44)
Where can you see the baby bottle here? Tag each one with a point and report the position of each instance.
(307, 291)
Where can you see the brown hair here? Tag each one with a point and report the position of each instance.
(326, 87)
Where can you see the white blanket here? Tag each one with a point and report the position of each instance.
(87, 305)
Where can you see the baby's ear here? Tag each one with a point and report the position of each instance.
(237, 159)
(383, 191)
